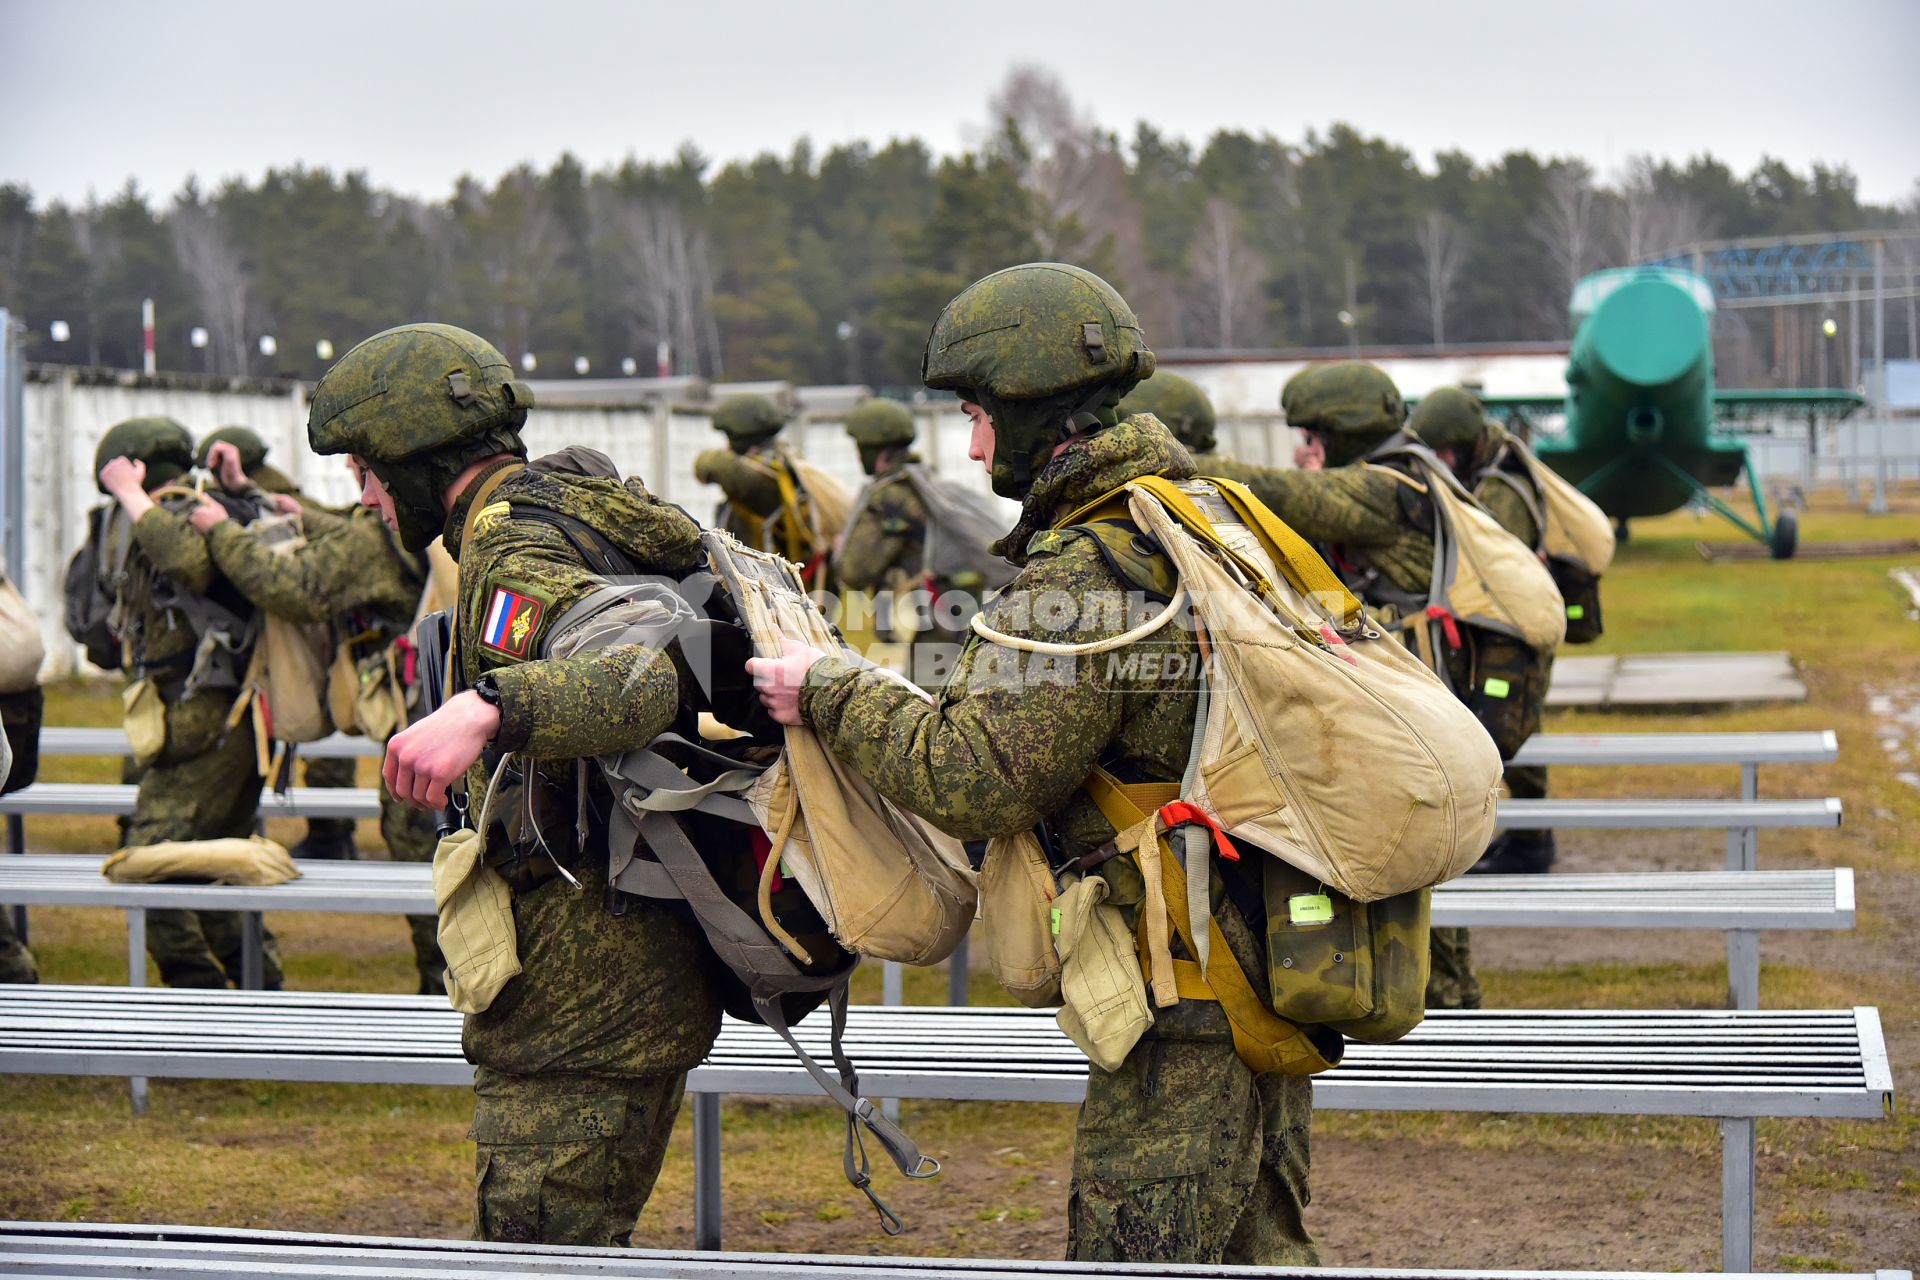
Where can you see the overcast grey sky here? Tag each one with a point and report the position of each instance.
(95, 91)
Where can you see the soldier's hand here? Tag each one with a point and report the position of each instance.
(428, 756)
(224, 461)
(206, 513)
(123, 475)
(779, 680)
(288, 505)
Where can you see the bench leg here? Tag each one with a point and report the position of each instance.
(137, 977)
(251, 976)
(893, 991)
(958, 972)
(1736, 1194)
(17, 843)
(1743, 843)
(707, 1202)
(1743, 968)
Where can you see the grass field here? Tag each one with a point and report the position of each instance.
(1415, 1190)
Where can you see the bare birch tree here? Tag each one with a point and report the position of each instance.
(666, 275)
(1443, 253)
(1567, 223)
(1655, 222)
(1227, 279)
(221, 283)
(1072, 168)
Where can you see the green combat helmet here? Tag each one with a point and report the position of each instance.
(1453, 418)
(1178, 403)
(1048, 350)
(253, 450)
(748, 421)
(1351, 405)
(161, 443)
(418, 405)
(879, 425)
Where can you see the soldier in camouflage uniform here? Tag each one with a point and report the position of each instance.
(203, 784)
(883, 549)
(1183, 1153)
(237, 458)
(1452, 423)
(748, 471)
(582, 1057)
(354, 576)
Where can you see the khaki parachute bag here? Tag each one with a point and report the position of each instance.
(285, 688)
(962, 525)
(1575, 536)
(881, 881)
(1483, 576)
(1321, 742)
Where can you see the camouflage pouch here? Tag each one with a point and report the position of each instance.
(380, 696)
(145, 719)
(343, 686)
(1357, 967)
(1017, 898)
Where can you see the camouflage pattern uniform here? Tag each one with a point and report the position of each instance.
(748, 471)
(326, 837)
(16, 962)
(204, 784)
(581, 1059)
(1453, 418)
(1183, 1153)
(353, 575)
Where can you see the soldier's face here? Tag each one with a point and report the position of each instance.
(373, 494)
(980, 443)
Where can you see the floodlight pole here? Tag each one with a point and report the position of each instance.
(13, 446)
(1877, 386)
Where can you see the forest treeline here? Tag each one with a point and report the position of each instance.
(829, 267)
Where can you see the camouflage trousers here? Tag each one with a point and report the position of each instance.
(410, 837)
(203, 786)
(1184, 1155)
(16, 962)
(568, 1159)
(1509, 698)
(1451, 983)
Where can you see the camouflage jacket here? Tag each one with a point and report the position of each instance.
(352, 570)
(1009, 740)
(890, 532)
(1499, 490)
(170, 574)
(600, 993)
(752, 487)
(1369, 520)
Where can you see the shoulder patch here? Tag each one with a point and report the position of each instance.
(511, 621)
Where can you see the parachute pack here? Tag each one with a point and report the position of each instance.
(1483, 576)
(1321, 742)
(1575, 535)
(961, 525)
(285, 689)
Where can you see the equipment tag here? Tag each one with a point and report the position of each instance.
(1056, 921)
(1310, 908)
(1498, 688)
(1576, 611)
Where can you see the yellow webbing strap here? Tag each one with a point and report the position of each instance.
(1294, 555)
(799, 545)
(1262, 1039)
(481, 497)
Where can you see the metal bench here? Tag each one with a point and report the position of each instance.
(69, 741)
(226, 1253)
(115, 800)
(1730, 1065)
(1738, 902)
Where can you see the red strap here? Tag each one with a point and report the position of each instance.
(1180, 812)
(409, 661)
(810, 573)
(1336, 645)
(1447, 624)
(762, 850)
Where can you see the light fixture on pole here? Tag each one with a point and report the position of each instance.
(629, 366)
(269, 345)
(580, 365)
(528, 363)
(59, 331)
(1347, 322)
(324, 348)
(198, 337)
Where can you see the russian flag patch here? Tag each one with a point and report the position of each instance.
(510, 623)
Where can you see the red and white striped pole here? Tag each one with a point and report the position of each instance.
(146, 335)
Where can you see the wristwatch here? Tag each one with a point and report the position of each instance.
(489, 690)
